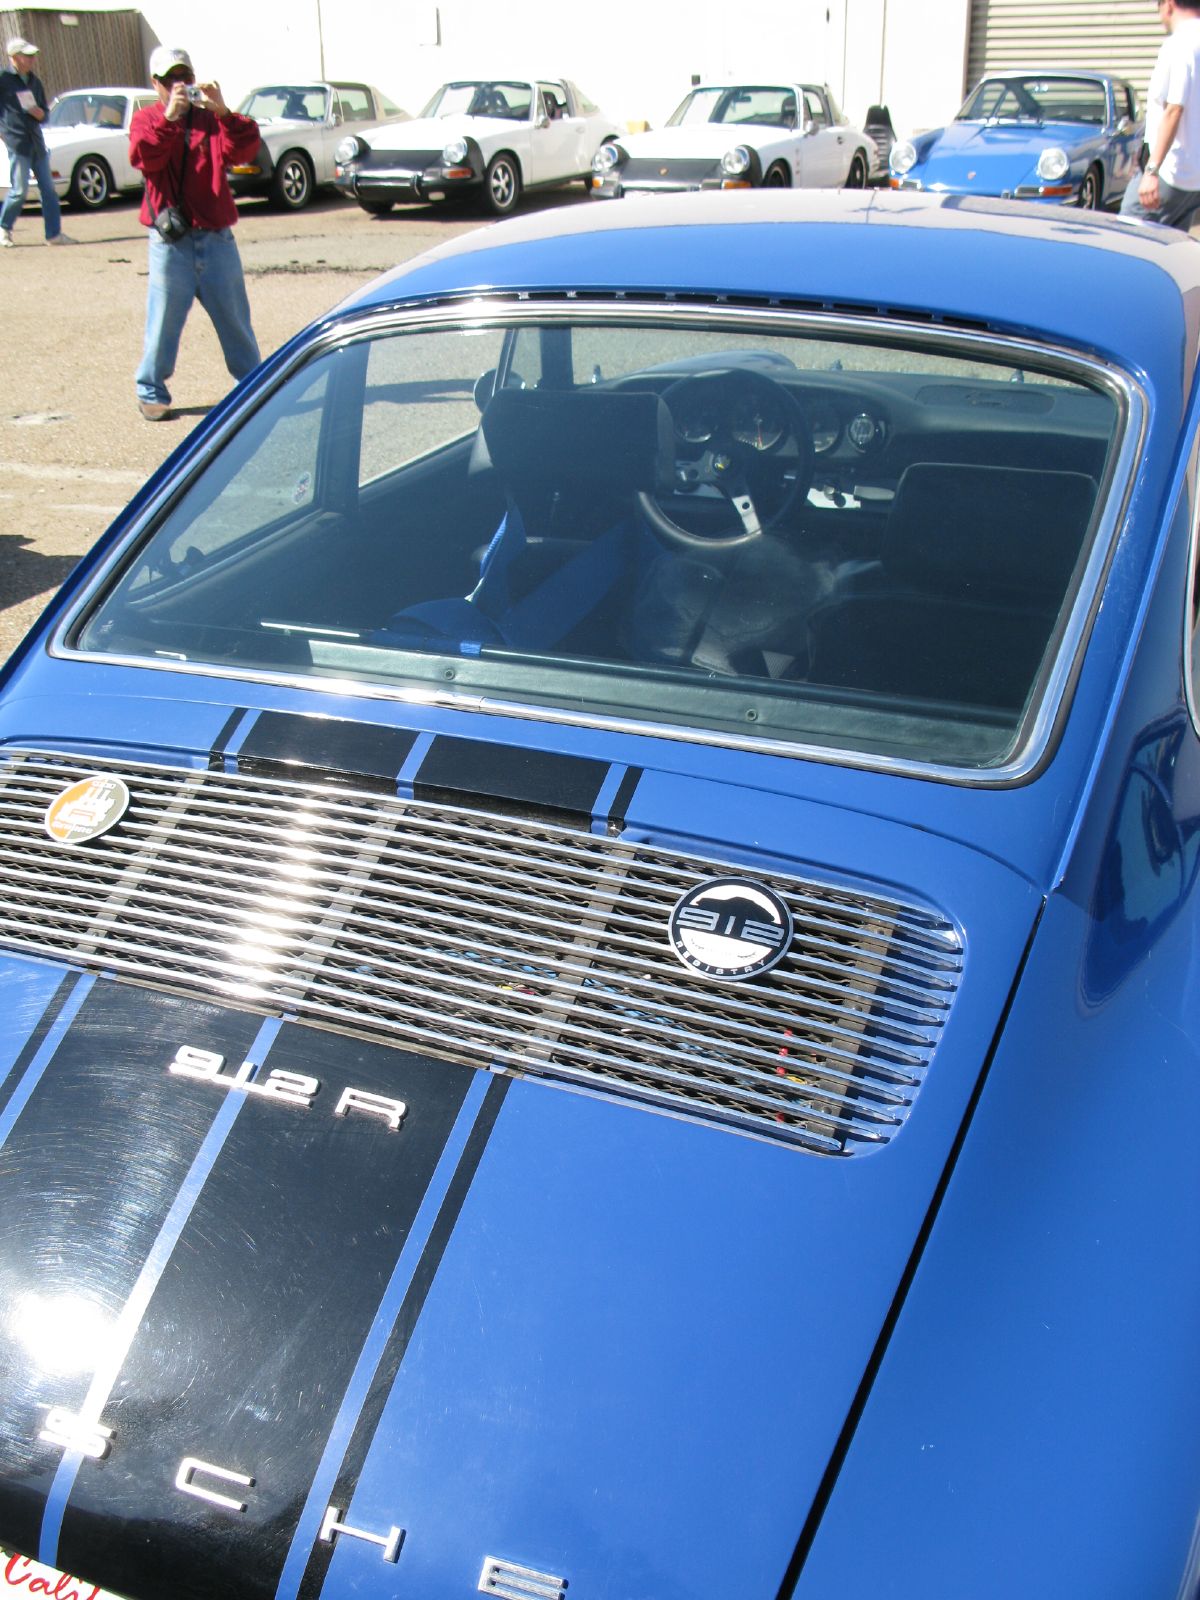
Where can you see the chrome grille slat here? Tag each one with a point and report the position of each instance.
(756, 1041)
(460, 836)
(174, 852)
(499, 941)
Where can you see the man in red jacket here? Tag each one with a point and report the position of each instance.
(183, 145)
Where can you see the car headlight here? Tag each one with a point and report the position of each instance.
(1052, 164)
(455, 153)
(903, 156)
(736, 161)
(350, 149)
(607, 157)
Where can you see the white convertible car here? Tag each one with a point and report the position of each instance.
(488, 137)
(302, 125)
(87, 135)
(742, 136)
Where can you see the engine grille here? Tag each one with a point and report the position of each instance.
(495, 941)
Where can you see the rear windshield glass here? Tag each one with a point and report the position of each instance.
(749, 531)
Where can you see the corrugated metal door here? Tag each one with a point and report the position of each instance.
(1120, 36)
(80, 49)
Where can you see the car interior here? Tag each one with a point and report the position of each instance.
(885, 553)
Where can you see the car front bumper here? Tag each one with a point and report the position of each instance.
(1054, 194)
(399, 179)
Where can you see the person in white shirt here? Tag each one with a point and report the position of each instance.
(1168, 188)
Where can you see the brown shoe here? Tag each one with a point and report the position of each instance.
(153, 410)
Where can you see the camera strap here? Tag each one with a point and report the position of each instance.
(178, 201)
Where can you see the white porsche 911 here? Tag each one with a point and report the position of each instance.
(741, 136)
(487, 138)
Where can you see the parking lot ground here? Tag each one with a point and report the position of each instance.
(73, 446)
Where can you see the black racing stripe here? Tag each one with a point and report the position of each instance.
(216, 756)
(83, 1192)
(36, 1038)
(402, 1330)
(281, 744)
(251, 1337)
(496, 777)
(623, 799)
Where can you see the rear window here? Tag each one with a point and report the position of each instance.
(751, 532)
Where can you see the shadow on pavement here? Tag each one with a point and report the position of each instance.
(27, 572)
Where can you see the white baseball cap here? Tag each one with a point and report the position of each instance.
(165, 56)
(20, 47)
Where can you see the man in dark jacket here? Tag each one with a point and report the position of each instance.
(184, 145)
(23, 109)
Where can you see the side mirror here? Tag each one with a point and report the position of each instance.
(1123, 125)
(542, 122)
(808, 127)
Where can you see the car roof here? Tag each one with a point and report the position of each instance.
(1050, 72)
(773, 80)
(106, 88)
(1130, 293)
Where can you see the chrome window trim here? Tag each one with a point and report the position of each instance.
(515, 308)
(1190, 486)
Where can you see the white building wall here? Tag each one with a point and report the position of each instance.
(638, 62)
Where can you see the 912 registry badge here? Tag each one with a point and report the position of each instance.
(730, 928)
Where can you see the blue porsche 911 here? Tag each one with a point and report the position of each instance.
(1070, 138)
(598, 924)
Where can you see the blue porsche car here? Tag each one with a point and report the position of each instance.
(598, 921)
(1069, 138)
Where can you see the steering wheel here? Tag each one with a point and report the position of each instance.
(745, 439)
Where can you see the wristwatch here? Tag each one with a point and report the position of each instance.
(1152, 169)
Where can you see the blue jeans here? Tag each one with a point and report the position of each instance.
(204, 266)
(20, 168)
(1176, 207)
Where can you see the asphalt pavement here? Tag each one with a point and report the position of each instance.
(73, 446)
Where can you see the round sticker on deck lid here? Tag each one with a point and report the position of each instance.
(86, 810)
(731, 928)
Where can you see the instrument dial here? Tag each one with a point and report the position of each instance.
(756, 421)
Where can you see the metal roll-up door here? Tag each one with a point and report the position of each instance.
(1121, 36)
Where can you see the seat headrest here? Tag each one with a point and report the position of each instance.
(988, 533)
(563, 439)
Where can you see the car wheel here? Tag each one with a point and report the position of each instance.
(377, 208)
(778, 177)
(292, 183)
(857, 177)
(91, 184)
(1091, 190)
(502, 185)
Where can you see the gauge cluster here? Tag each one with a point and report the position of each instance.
(756, 418)
(853, 429)
(703, 415)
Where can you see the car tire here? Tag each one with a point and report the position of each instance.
(292, 181)
(856, 178)
(91, 184)
(502, 185)
(778, 177)
(377, 208)
(1091, 190)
